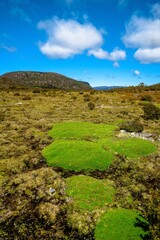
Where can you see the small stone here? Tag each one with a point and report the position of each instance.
(51, 191)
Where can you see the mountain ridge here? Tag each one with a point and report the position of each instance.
(30, 79)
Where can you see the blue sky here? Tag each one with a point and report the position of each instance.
(104, 42)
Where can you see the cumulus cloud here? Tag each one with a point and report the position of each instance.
(144, 34)
(9, 49)
(148, 55)
(116, 55)
(67, 38)
(98, 53)
(136, 73)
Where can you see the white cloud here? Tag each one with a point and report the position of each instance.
(57, 51)
(116, 64)
(148, 55)
(155, 10)
(116, 55)
(98, 53)
(136, 72)
(9, 49)
(67, 38)
(144, 34)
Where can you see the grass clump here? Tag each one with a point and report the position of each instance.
(89, 193)
(81, 130)
(132, 147)
(120, 224)
(77, 155)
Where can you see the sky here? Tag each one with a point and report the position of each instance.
(103, 42)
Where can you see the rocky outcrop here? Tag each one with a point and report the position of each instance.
(142, 135)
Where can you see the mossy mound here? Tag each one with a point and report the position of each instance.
(89, 193)
(77, 155)
(87, 146)
(81, 130)
(120, 224)
(132, 148)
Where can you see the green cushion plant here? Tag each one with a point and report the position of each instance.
(77, 155)
(89, 193)
(81, 130)
(120, 224)
(131, 147)
(87, 146)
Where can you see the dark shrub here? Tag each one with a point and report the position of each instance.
(124, 112)
(91, 105)
(26, 98)
(87, 99)
(132, 126)
(16, 94)
(151, 111)
(36, 91)
(146, 98)
(74, 97)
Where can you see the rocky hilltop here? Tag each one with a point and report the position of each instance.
(29, 79)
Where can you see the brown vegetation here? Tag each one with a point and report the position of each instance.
(33, 200)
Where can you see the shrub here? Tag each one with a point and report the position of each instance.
(132, 126)
(151, 111)
(91, 105)
(74, 97)
(146, 98)
(87, 99)
(26, 98)
(16, 94)
(36, 91)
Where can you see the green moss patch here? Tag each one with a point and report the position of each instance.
(88, 146)
(132, 148)
(77, 155)
(81, 130)
(120, 224)
(89, 193)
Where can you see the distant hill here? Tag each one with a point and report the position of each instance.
(29, 79)
(107, 87)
